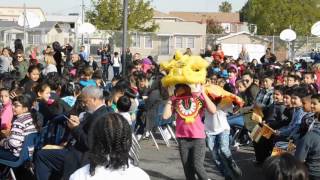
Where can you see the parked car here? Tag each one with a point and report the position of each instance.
(305, 56)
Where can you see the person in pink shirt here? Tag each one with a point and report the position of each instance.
(188, 109)
(6, 113)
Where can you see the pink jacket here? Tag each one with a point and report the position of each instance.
(6, 115)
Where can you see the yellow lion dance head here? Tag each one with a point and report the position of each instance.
(184, 69)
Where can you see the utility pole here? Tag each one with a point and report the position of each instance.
(82, 20)
(24, 26)
(124, 35)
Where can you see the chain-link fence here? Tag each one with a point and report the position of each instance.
(161, 46)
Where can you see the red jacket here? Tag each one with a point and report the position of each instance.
(218, 56)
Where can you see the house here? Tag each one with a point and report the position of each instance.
(46, 33)
(173, 34)
(229, 21)
(232, 44)
(12, 13)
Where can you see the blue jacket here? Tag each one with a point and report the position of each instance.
(315, 56)
(293, 127)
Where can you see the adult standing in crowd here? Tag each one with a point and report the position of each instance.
(105, 60)
(83, 54)
(218, 54)
(67, 50)
(58, 56)
(18, 45)
(268, 57)
(244, 55)
(21, 64)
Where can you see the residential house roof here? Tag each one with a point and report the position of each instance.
(46, 25)
(241, 33)
(162, 15)
(181, 28)
(60, 18)
(201, 16)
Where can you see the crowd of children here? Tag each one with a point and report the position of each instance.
(34, 95)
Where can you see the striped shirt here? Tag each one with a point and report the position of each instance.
(265, 97)
(22, 126)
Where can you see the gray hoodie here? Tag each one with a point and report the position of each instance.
(5, 64)
(308, 150)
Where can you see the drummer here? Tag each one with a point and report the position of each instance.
(292, 130)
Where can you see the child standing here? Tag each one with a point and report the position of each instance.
(189, 109)
(218, 131)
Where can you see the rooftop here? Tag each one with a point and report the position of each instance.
(200, 16)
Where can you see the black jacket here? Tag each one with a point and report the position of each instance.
(274, 115)
(77, 154)
(105, 56)
(272, 59)
(250, 94)
(94, 65)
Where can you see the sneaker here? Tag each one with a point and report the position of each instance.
(139, 137)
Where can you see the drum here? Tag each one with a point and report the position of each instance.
(282, 147)
(265, 131)
(279, 148)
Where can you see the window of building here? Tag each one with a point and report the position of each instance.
(147, 42)
(164, 45)
(179, 42)
(136, 41)
(34, 39)
(190, 42)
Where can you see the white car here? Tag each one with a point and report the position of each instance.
(305, 56)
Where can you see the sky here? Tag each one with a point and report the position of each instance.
(73, 6)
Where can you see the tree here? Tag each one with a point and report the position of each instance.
(225, 7)
(214, 27)
(273, 16)
(107, 15)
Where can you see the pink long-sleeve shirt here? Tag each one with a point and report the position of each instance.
(6, 115)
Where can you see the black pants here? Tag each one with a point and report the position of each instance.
(6, 154)
(51, 161)
(105, 70)
(263, 148)
(192, 153)
(116, 71)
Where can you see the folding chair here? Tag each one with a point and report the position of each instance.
(29, 143)
(160, 123)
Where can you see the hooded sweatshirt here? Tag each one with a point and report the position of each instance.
(308, 150)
